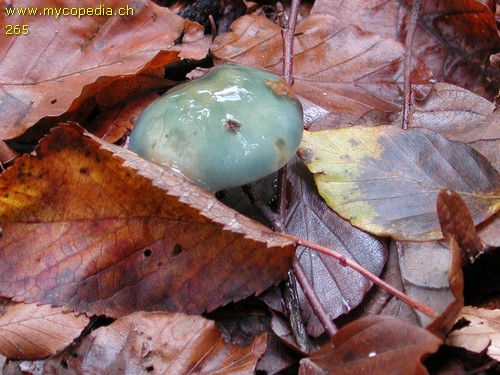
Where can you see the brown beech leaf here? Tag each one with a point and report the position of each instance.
(65, 60)
(339, 288)
(456, 222)
(455, 113)
(373, 345)
(386, 180)
(158, 343)
(455, 39)
(31, 331)
(93, 226)
(113, 124)
(339, 68)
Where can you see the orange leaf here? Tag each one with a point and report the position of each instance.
(340, 68)
(159, 343)
(63, 61)
(454, 38)
(30, 331)
(374, 345)
(93, 226)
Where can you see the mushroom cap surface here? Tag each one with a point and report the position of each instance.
(231, 127)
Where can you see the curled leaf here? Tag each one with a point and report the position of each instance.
(373, 345)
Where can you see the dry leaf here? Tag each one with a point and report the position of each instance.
(385, 180)
(91, 225)
(425, 268)
(339, 288)
(31, 331)
(66, 60)
(455, 113)
(455, 39)
(339, 68)
(456, 222)
(481, 331)
(373, 345)
(158, 343)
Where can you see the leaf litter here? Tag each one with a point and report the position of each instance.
(360, 85)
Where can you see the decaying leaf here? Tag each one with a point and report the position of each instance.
(386, 180)
(455, 39)
(339, 288)
(158, 343)
(480, 331)
(31, 331)
(359, 71)
(373, 345)
(455, 113)
(425, 268)
(91, 225)
(456, 222)
(66, 60)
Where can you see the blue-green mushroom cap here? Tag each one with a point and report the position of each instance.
(231, 127)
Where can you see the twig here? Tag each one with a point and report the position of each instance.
(313, 299)
(376, 280)
(415, 9)
(292, 305)
(287, 33)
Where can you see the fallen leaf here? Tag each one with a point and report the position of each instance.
(489, 144)
(489, 231)
(115, 123)
(31, 331)
(68, 59)
(385, 180)
(480, 334)
(339, 288)
(95, 227)
(455, 113)
(425, 268)
(158, 343)
(455, 39)
(456, 222)
(359, 71)
(373, 345)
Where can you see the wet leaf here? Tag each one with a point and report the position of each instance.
(373, 345)
(31, 331)
(158, 343)
(359, 71)
(93, 226)
(69, 59)
(455, 39)
(339, 288)
(479, 331)
(386, 180)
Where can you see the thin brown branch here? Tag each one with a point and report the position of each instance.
(376, 280)
(313, 299)
(407, 107)
(287, 32)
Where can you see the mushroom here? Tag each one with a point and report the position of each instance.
(231, 127)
